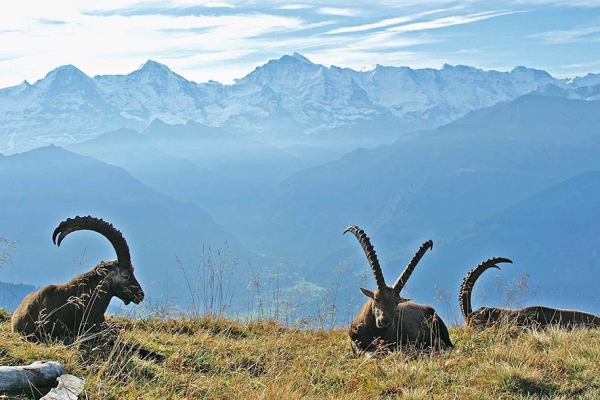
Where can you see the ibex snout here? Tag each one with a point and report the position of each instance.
(383, 322)
(138, 297)
(132, 293)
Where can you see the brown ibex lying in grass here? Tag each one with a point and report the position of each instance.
(389, 320)
(534, 317)
(78, 306)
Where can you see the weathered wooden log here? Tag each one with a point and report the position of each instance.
(37, 374)
(69, 387)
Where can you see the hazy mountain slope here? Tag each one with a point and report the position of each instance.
(542, 118)
(237, 156)
(42, 187)
(174, 176)
(11, 294)
(431, 184)
(228, 175)
(553, 236)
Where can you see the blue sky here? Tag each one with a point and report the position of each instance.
(226, 39)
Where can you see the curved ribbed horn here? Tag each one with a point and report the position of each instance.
(467, 284)
(399, 285)
(104, 228)
(365, 243)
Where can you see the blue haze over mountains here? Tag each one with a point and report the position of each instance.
(278, 164)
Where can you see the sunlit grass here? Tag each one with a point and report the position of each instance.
(220, 358)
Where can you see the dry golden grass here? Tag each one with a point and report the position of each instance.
(215, 358)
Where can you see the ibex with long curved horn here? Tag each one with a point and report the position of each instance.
(536, 317)
(78, 306)
(389, 320)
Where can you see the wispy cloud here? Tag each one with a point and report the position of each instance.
(451, 21)
(51, 22)
(589, 34)
(576, 69)
(218, 4)
(587, 65)
(384, 23)
(88, 5)
(566, 3)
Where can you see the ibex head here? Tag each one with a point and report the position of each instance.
(385, 298)
(118, 275)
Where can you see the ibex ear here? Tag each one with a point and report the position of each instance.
(368, 293)
(403, 300)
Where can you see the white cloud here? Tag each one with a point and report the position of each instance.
(342, 12)
(294, 7)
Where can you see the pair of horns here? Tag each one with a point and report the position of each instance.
(365, 243)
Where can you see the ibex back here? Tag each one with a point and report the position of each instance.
(535, 317)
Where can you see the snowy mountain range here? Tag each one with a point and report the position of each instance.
(283, 102)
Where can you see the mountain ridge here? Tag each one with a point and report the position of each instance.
(286, 101)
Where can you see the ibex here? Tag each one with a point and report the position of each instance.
(78, 306)
(534, 317)
(389, 320)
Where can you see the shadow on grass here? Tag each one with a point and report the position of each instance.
(518, 384)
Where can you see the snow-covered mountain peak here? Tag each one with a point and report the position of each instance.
(152, 71)
(447, 66)
(152, 66)
(64, 76)
(300, 57)
(370, 68)
(288, 68)
(534, 73)
(459, 68)
(588, 80)
(15, 90)
(68, 87)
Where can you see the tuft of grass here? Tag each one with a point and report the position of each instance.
(4, 315)
(213, 357)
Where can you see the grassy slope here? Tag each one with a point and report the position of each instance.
(226, 359)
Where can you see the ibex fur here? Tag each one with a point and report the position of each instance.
(78, 306)
(534, 317)
(389, 320)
